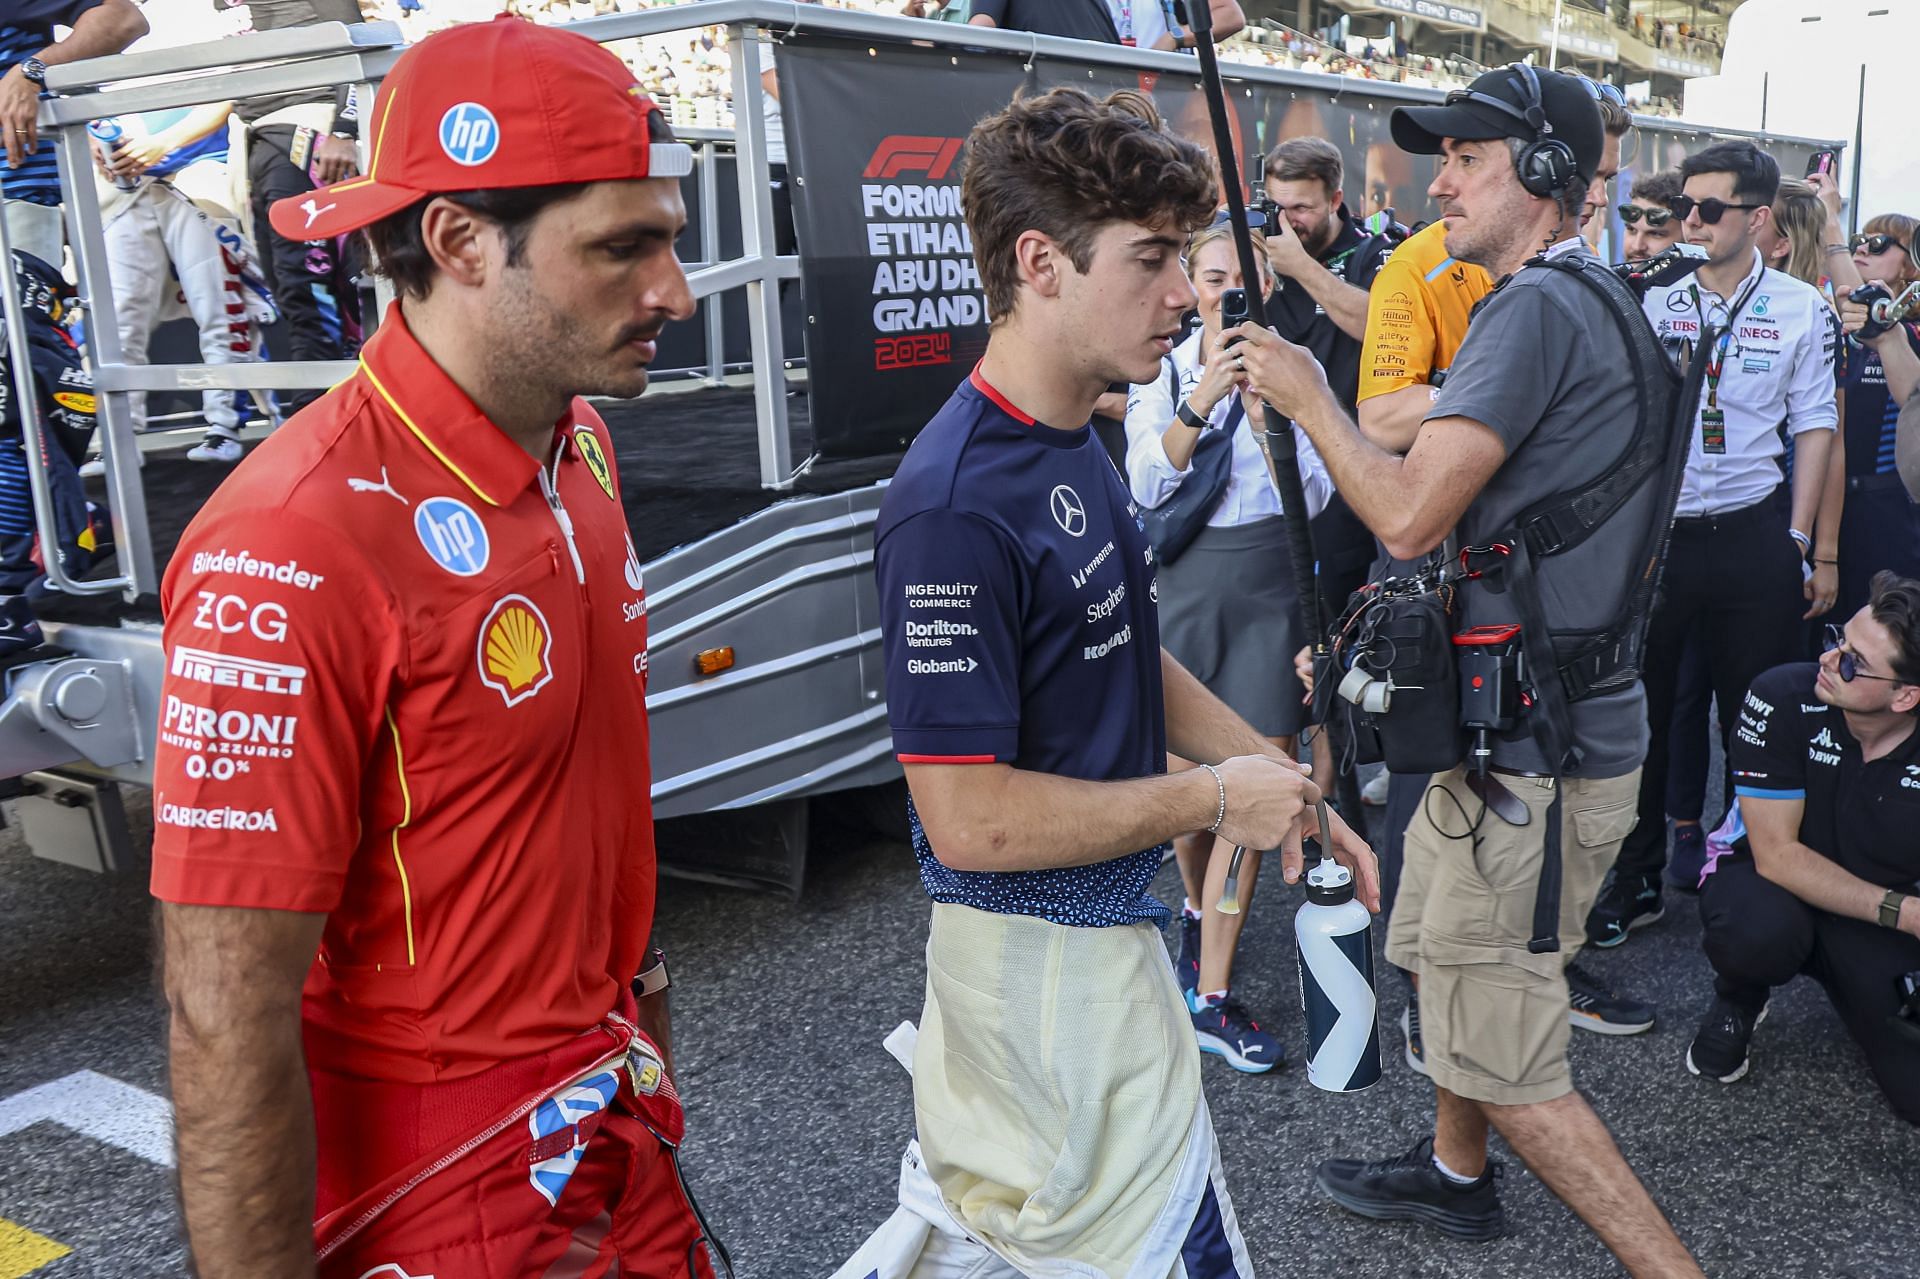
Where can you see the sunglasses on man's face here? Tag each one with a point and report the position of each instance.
(1875, 244)
(1632, 213)
(1849, 661)
(1711, 209)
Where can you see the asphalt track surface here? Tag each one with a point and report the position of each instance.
(797, 1116)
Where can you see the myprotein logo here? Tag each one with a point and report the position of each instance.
(223, 670)
(900, 153)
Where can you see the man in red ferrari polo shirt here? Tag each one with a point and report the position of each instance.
(402, 829)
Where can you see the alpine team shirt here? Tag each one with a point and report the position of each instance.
(1788, 744)
(26, 29)
(405, 688)
(1019, 610)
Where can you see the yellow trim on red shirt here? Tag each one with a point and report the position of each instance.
(406, 818)
(422, 435)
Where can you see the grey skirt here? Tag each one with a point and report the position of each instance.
(1227, 614)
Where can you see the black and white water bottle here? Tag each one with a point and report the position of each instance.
(1335, 936)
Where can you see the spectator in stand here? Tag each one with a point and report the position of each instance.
(1880, 525)
(1652, 226)
(1223, 612)
(1139, 23)
(1816, 868)
(176, 232)
(1736, 561)
(296, 141)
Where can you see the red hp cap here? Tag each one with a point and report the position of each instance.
(494, 104)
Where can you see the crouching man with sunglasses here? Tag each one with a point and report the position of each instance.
(1736, 566)
(1814, 870)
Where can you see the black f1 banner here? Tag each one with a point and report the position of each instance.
(876, 137)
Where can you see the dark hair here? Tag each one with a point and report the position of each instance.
(400, 253)
(1895, 602)
(1065, 165)
(1662, 188)
(1306, 160)
(1756, 175)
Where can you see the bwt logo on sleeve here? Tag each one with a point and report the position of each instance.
(469, 134)
(900, 153)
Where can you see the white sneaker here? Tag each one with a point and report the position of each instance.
(1374, 793)
(216, 448)
(96, 466)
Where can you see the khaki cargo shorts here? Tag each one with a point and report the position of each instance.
(1493, 1015)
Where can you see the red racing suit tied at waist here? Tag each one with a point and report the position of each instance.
(380, 1142)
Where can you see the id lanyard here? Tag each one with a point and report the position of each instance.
(1713, 419)
(1125, 24)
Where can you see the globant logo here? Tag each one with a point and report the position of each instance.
(243, 564)
(247, 819)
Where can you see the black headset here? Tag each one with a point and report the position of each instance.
(1546, 166)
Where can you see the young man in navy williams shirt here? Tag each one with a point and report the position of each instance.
(1056, 1081)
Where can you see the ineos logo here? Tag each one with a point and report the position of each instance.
(1068, 511)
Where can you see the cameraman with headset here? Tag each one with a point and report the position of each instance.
(1549, 398)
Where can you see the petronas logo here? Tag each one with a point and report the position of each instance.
(515, 648)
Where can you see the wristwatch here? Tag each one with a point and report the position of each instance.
(1189, 418)
(34, 70)
(1890, 908)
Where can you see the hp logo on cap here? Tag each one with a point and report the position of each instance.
(469, 134)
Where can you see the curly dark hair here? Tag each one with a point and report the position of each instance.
(1065, 164)
(1895, 603)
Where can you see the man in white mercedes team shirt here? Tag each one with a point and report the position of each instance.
(1741, 532)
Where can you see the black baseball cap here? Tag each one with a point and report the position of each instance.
(1495, 106)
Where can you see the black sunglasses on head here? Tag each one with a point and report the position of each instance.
(1256, 220)
(1875, 244)
(1711, 209)
(1600, 89)
(1632, 213)
(1849, 663)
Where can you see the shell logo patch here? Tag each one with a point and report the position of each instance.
(515, 649)
(596, 460)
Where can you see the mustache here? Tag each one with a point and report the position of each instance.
(640, 333)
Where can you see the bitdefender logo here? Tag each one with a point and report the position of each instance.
(900, 153)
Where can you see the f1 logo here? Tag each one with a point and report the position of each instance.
(905, 153)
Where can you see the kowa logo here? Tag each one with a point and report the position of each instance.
(900, 153)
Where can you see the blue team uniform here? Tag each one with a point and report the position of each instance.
(1018, 608)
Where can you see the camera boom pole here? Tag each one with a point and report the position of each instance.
(1280, 443)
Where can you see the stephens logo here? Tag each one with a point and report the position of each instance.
(515, 645)
(900, 153)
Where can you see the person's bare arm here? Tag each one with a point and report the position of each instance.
(1773, 832)
(1228, 18)
(1343, 303)
(1810, 449)
(994, 817)
(243, 1108)
(1201, 726)
(1113, 404)
(107, 28)
(1393, 420)
(981, 20)
(1824, 585)
(1410, 503)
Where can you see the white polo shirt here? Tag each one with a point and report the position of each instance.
(1778, 370)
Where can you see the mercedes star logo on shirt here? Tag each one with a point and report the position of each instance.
(1068, 513)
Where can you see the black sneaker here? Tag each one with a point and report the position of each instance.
(1626, 902)
(1410, 1027)
(1187, 967)
(1689, 857)
(1409, 1188)
(1593, 1007)
(1719, 1047)
(19, 629)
